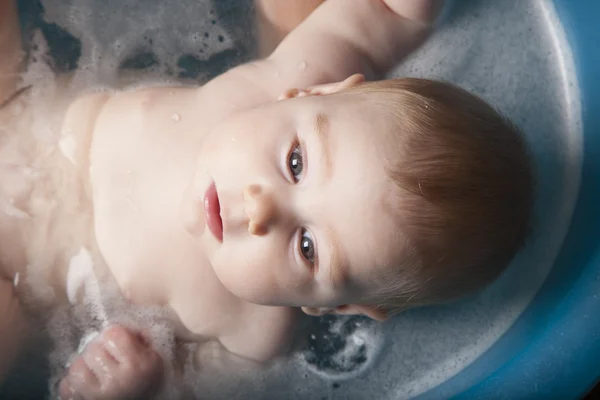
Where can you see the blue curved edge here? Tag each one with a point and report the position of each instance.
(553, 349)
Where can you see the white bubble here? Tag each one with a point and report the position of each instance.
(81, 268)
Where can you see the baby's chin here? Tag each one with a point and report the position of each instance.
(238, 286)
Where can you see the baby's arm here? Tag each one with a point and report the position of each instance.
(343, 37)
(11, 53)
(276, 18)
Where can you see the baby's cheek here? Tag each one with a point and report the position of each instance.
(234, 157)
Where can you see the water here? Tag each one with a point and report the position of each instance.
(169, 40)
(512, 53)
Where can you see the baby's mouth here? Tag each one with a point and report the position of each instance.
(212, 212)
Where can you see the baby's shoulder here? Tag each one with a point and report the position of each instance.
(80, 116)
(258, 82)
(240, 88)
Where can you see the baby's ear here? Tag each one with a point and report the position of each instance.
(370, 311)
(327, 88)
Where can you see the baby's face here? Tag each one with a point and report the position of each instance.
(302, 215)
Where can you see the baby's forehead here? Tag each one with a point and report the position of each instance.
(372, 234)
(373, 128)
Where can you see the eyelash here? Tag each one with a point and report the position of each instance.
(297, 149)
(305, 234)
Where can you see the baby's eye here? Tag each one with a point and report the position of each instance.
(296, 163)
(307, 246)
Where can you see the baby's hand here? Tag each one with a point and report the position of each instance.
(118, 364)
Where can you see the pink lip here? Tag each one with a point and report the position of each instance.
(212, 212)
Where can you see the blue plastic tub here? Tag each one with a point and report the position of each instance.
(561, 357)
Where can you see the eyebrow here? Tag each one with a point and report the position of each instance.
(322, 127)
(337, 271)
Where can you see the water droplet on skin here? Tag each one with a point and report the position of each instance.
(176, 117)
(16, 280)
(302, 65)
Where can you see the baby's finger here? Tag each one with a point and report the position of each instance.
(291, 93)
(123, 345)
(66, 391)
(288, 94)
(80, 379)
(100, 362)
(329, 88)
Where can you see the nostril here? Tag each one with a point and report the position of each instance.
(256, 229)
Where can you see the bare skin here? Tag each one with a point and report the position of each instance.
(126, 210)
(277, 18)
(119, 364)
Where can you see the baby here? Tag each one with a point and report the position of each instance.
(285, 184)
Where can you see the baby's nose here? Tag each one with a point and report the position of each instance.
(260, 208)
